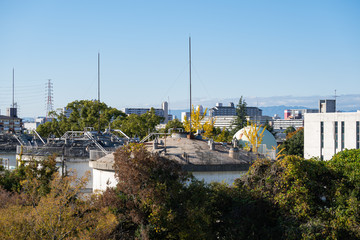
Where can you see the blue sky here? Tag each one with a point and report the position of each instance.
(254, 49)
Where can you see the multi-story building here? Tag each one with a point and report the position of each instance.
(162, 112)
(282, 124)
(254, 113)
(297, 113)
(220, 110)
(326, 134)
(10, 124)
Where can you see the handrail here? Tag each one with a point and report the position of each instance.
(41, 139)
(19, 140)
(150, 135)
(96, 143)
(118, 130)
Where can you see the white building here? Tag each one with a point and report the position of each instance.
(222, 121)
(282, 124)
(328, 133)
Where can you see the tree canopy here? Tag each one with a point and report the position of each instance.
(83, 113)
(240, 120)
(294, 143)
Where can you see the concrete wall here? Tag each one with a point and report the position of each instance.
(104, 179)
(81, 166)
(227, 177)
(312, 133)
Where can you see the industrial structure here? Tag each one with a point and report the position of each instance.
(206, 160)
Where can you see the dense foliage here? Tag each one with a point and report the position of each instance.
(37, 203)
(291, 198)
(294, 143)
(86, 114)
(83, 114)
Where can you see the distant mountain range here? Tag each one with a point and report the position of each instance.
(267, 111)
(276, 104)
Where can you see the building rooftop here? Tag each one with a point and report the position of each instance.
(193, 155)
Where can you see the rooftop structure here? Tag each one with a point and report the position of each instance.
(206, 160)
(327, 106)
(74, 150)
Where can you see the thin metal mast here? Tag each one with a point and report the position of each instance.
(13, 91)
(99, 89)
(99, 77)
(190, 78)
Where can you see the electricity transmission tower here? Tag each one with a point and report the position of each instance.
(49, 97)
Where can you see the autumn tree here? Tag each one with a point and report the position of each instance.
(155, 199)
(196, 122)
(63, 213)
(196, 117)
(254, 133)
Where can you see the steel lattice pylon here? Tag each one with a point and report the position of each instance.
(49, 97)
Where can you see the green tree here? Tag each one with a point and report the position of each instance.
(290, 129)
(175, 123)
(139, 125)
(84, 113)
(223, 135)
(240, 121)
(294, 143)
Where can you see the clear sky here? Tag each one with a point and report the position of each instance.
(250, 48)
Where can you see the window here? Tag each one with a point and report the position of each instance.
(342, 135)
(322, 134)
(336, 130)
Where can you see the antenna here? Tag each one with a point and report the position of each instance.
(13, 88)
(335, 96)
(49, 98)
(99, 77)
(190, 78)
(99, 89)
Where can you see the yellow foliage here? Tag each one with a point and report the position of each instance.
(208, 127)
(254, 135)
(279, 154)
(196, 118)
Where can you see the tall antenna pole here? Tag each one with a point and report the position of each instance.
(99, 89)
(13, 87)
(99, 77)
(190, 78)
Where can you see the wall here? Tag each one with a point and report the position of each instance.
(312, 133)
